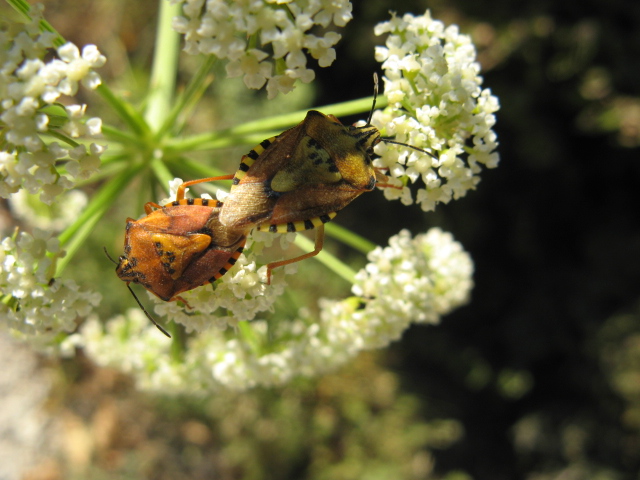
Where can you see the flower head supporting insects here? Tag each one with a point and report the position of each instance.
(435, 103)
(264, 40)
(415, 279)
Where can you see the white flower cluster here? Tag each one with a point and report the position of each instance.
(411, 280)
(435, 103)
(28, 87)
(248, 32)
(54, 218)
(35, 307)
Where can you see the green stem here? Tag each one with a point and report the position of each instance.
(189, 98)
(113, 134)
(162, 173)
(163, 70)
(63, 138)
(125, 111)
(250, 338)
(266, 127)
(24, 8)
(327, 259)
(349, 238)
(75, 235)
(192, 169)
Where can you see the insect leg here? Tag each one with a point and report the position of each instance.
(316, 250)
(181, 188)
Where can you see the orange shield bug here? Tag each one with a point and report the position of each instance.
(178, 247)
(300, 179)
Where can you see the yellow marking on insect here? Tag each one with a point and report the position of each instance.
(250, 158)
(204, 202)
(232, 261)
(298, 226)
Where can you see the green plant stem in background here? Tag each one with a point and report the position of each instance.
(186, 102)
(73, 237)
(327, 259)
(347, 237)
(125, 111)
(24, 8)
(266, 127)
(164, 68)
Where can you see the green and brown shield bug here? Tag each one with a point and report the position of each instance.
(300, 179)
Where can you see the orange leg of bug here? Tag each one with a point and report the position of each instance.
(178, 297)
(382, 180)
(181, 188)
(150, 207)
(316, 250)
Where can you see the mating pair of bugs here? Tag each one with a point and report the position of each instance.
(295, 181)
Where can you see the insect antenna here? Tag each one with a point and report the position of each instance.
(109, 256)
(387, 140)
(138, 301)
(147, 313)
(375, 97)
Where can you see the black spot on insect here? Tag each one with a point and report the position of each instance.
(291, 227)
(270, 192)
(243, 166)
(265, 144)
(308, 225)
(273, 228)
(190, 201)
(325, 218)
(175, 203)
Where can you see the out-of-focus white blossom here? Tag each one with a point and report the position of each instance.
(36, 307)
(27, 86)
(435, 103)
(412, 280)
(265, 41)
(62, 213)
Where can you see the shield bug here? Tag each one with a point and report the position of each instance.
(179, 246)
(300, 179)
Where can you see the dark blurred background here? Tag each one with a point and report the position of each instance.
(543, 366)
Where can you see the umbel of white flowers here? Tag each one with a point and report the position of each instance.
(27, 84)
(413, 280)
(224, 28)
